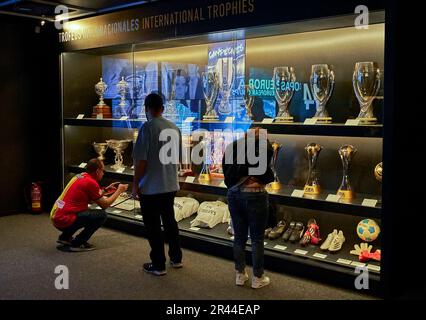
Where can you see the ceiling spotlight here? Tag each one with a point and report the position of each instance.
(42, 23)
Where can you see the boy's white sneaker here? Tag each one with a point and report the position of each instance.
(241, 278)
(257, 283)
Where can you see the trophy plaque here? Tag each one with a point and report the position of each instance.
(275, 185)
(366, 83)
(185, 167)
(312, 186)
(100, 149)
(322, 84)
(210, 82)
(101, 110)
(284, 78)
(118, 146)
(346, 153)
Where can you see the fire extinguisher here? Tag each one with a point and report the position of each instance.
(35, 195)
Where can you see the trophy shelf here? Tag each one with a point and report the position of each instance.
(282, 196)
(106, 123)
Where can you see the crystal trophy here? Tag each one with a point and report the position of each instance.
(312, 186)
(322, 85)
(210, 81)
(275, 185)
(205, 171)
(185, 167)
(248, 102)
(366, 83)
(122, 89)
(284, 78)
(118, 146)
(226, 73)
(101, 110)
(100, 148)
(346, 153)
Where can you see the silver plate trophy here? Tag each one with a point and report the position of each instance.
(312, 186)
(170, 112)
(346, 153)
(275, 185)
(118, 146)
(322, 85)
(122, 89)
(284, 79)
(100, 148)
(366, 83)
(248, 102)
(225, 69)
(210, 82)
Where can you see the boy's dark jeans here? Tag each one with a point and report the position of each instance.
(90, 220)
(154, 209)
(249, 210)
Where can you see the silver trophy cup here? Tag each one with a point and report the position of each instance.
(366, 83)
(322, 85)
(100, 148)
(118, 146)
(210, 82)
(284, 79)
(122, 89)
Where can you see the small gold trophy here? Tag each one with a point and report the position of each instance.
(275, 185)
(346, 152)
(205, 171)
(312, 185)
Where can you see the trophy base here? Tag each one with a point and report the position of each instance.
(101, 158)
(204, 177)
(217, 175)
(274, 185)
(323, 120)
(105, 111)
(367, 121)
(346, 194)
(117, 167)
(284, 120)
(211, 118)
(312, 190)
(185, 173)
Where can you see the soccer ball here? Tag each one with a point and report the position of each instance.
(368, 230)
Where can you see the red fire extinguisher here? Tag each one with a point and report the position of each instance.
(35, 197)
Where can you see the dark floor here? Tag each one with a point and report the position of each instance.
(28, 257)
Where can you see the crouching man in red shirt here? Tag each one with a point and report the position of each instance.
(70, 212)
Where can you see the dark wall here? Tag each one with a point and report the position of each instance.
(29, 112)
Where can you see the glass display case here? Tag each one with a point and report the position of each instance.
(317, 88)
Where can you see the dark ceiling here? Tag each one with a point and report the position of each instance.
(45, 9)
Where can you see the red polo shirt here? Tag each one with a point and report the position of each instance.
(80, 191)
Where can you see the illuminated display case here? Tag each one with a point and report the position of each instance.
(247, 94)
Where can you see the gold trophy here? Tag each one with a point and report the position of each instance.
(185, 167)
(275, 185)
(101, 108)
(312, 186)
(205, 171)
(346, 152)
(378, 171)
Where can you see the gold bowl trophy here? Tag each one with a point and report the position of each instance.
(275, 185)
(284, 79)
(118, 146)
(322, 84)
(366, 83)
(346, 153)
(210, 81)
(312, 186)
(101, 108)
(100, 148)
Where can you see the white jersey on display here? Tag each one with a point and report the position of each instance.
(210, 214)
(185, 207)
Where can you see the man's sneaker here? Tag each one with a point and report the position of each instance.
(257, 283)
(241, 278)
(65, 242)
(83, 247)
(176, 265)
(149, 268)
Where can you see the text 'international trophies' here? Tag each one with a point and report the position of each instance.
(284, 79)
(312, 186)
(275, 185)
(226, 73)
(322, 84)
(248, 102)
(101, 110)
(122, 88)
(100, 148)
(210, 81)
(118, 146)
(346, 153)
(366, 83)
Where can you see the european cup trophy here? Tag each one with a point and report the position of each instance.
(101, 108)
(225, 69)
(322, 84)
(312, 186)
(210, 82)
(366, 83)
(284, 78)
(122, 89)
(118, 146)
(248, 102)
(275, 185)
(346, 153)
(100, 148)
